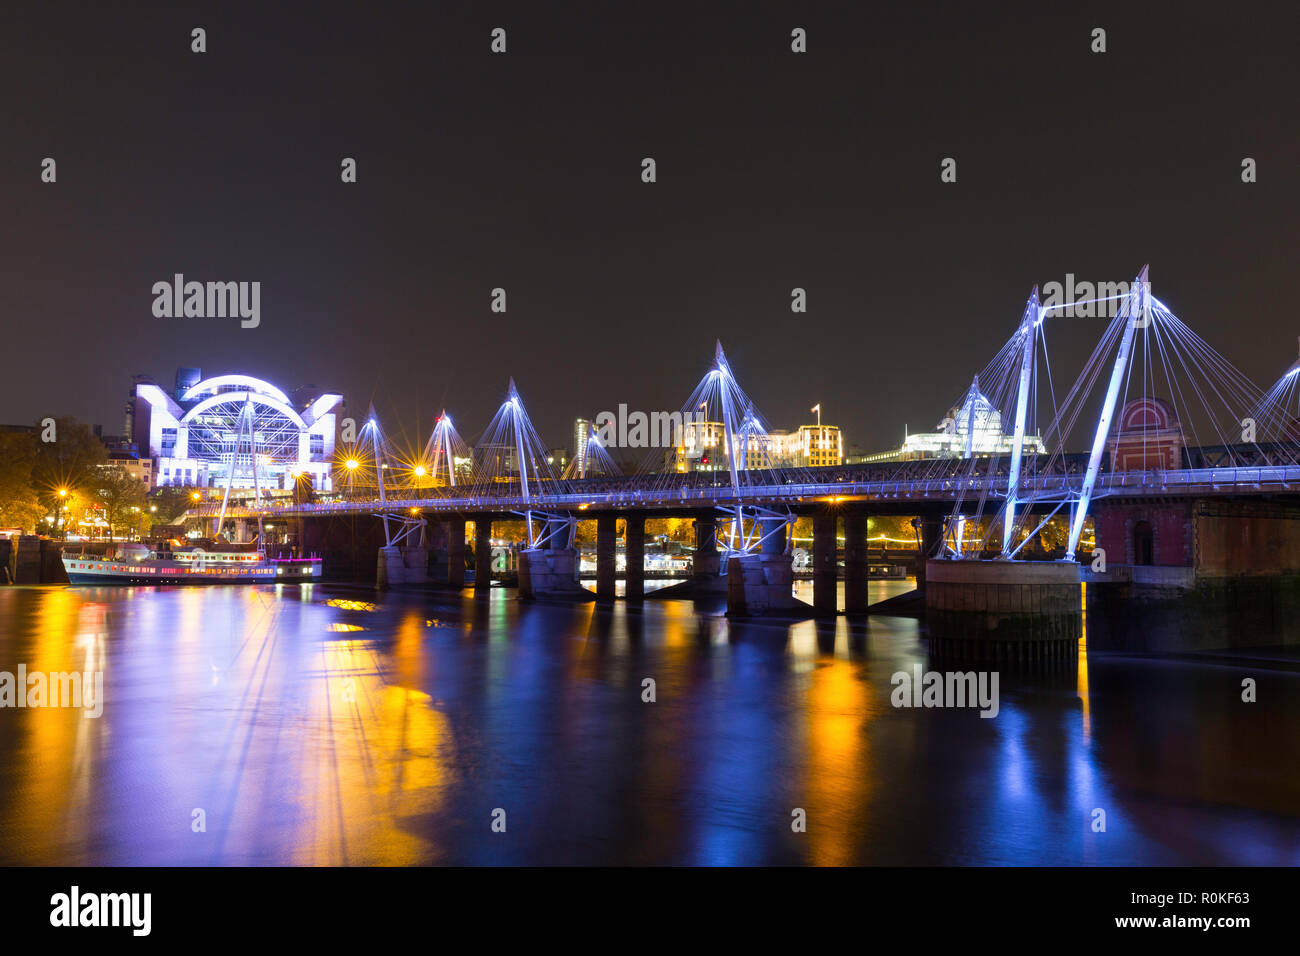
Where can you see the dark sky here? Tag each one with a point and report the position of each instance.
(522, 171)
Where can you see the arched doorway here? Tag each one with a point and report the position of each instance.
(1143, 552)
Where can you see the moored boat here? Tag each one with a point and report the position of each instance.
(139, 564)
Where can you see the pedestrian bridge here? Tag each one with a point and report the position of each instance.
(634, 495)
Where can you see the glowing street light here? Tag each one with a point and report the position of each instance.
(352, 464)
(419, 471)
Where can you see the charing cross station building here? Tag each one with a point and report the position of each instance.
(200, 432)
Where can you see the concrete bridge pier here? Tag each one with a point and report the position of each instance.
(606, 558)
(634, 550)
(551, 571)
(402, 565)
(706, 568)
(763, 583)
(1194, 574)
(482, 555)
(825, 571)
(931, 529)
(856, 598)
(456, 552)
(1004, 610)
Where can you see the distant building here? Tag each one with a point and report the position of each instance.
(702, 446)
(811, 446)
(497, 460)
(581, 429)
(1147, 437)
(129, 460)
(976, 422)
(191, 435)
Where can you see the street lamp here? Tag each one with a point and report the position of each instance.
(62, 513)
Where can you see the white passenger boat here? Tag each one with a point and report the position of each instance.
(139, 564)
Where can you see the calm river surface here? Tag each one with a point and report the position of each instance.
(322, 725)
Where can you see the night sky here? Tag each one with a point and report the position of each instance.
(522, 171)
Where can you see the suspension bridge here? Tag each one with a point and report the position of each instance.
(1155, 430)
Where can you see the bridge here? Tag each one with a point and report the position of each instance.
(1283, 479)
(1170, 431)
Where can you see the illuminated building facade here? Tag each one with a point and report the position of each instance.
(955, 431)
(581, 428)
(192, 434)
(811, 446)
(701, 446)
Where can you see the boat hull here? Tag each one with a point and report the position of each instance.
(83, 570)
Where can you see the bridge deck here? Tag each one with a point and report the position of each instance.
(1048, 490)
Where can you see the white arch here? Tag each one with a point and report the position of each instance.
(256, 385)
(283, 408)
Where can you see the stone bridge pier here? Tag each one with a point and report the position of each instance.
(706, 571)
(763, 582)
(402, 565)
(1183, 574)
(551, 571)
(447, 552)
(1010, 611)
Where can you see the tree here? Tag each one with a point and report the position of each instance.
(20, 505)
(67, 463)
(171, 501)
(120, 495)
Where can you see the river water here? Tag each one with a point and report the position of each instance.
(324, 725)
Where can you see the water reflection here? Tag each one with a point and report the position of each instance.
(321, 726)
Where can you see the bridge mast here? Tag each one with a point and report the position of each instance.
(379, 472)
(516, 414)
(444, 423)
(723, 370)
(1137, 305)
(971, 397)
(1029, 328)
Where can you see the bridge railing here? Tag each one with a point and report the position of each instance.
(1044, 487)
